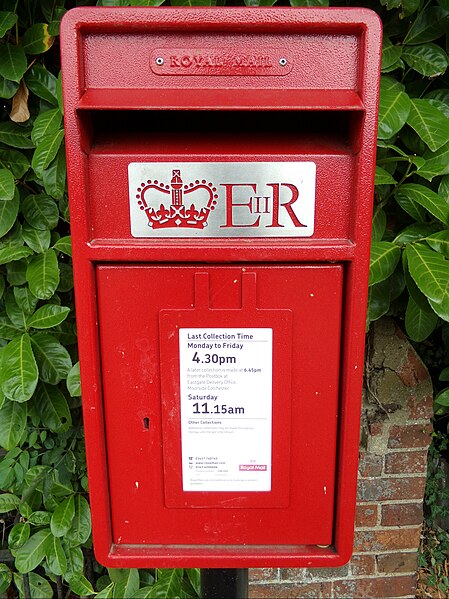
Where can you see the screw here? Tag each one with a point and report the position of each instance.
(159, 61)
(282, 62)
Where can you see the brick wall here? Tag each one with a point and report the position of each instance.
(395, 435)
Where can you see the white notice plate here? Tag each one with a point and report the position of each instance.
(226, 405)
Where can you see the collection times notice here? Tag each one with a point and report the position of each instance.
(226, 405)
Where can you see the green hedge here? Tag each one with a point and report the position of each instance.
(47, 549)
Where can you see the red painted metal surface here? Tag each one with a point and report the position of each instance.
(131, 291)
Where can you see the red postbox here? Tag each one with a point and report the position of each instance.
(221, 169)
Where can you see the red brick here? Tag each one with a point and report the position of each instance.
(384, 489)
(413, 371)
(366, 515)
(402, 514)
(376, 428)
(410, 462)
(389, 586)
(291, 591)
(263, 574)
(370, 464)
(386, 540)
(420, 407)
(410, 435)
(362, 565)
(395, 563)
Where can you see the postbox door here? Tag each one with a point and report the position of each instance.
(157, 324)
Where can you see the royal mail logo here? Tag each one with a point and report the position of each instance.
(205, 61)
(253, 467)
(220, 62)
(226, 199)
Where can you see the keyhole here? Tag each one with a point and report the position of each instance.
(146, 423)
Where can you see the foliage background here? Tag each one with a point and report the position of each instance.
(46, 548)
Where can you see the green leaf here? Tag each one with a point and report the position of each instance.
(48, 316)
(8, 502)
(441, 308)
(194, 577)
(52, 407)
(80, 585)
(440, 242)
(30, 555)
(437, 163)
(46, 151)
(15, 135)
(46, 123)
(7, 329)
(409, 7)
(25, 300)
(442, 106)
(427, 59)
(7, 20)
(5, 578)
(429, 123)
(66, 278)
(18, 370)
(54, 177)
(39, 587)
(7, 185)
(426, 198)
(430, 271)
(43, 274)
(15, 313)
(62, 518)
(442, 398)
(168, 583)
(443, 189)
(40, 518)
(383, 177)
(108, 592)
(7, 88)
(379, 224)
(430, 24)
(40, 211)
(75, 559)
(126, 583)
(37, 239)
(36, 39)
(379, 298)
(384, 258)
(439, 94)
(13, 62)
(444, 374)
(56, 559)
(73, 381)
(81, 527)
(64, 245)
(42, 83)
(52, 358)
(415, 232)
(394, 108)
(14, 160)
(13, 253)
(419, 323)
(9, 209)
(390, 54)
(19, 535)
(146, 593)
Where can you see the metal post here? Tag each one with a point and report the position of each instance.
(224, 583)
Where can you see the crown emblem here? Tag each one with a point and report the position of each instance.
(177, 214)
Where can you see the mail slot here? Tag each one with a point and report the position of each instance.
(220, 168)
